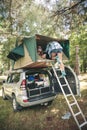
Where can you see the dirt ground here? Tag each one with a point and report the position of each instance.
(83, 81)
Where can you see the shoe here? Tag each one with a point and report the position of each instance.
(66, 116)
(63, 73)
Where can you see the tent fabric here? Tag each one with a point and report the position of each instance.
(30, 44)
(16, 53)
(65, 45)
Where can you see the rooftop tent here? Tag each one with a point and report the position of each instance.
(16, 53)
(31, 44)
(25, 54)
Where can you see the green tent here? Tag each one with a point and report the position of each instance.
(31, 44)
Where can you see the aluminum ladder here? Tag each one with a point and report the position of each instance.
(70, 105)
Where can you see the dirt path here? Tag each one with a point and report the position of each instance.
(83, 81)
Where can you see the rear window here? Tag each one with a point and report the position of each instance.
(40, 78)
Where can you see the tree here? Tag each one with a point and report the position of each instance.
(7, 46)
(73, 12)
(81, 40)
(55, 18)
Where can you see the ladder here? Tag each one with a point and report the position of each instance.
(71, 105)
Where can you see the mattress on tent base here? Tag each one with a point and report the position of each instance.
(39, 64)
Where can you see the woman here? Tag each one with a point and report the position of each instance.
(54, 50)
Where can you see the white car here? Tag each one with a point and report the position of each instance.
(28, 87)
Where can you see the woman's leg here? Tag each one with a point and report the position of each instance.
(61, 64)
(59, 59)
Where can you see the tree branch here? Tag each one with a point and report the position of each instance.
(10, 18)
(65, 9)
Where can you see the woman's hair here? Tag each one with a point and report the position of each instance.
(39, 50)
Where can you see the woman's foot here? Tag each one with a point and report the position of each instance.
(63, 73)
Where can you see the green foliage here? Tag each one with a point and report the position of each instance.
(7, 46)
(54, 19)
(79, 38)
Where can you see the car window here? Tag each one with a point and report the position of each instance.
(15, 78)
(9, 79)
(38, 78)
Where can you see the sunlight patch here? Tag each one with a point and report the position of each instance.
(55, 110)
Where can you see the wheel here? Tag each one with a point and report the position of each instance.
(3, 94)
(15, 104)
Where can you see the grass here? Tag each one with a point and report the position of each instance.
(40, 117)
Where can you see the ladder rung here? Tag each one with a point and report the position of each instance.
(83, 124)
(69, 95)
(64, 85)
(73, 104)
(77, 113)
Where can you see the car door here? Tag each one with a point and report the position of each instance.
(11, 84)
(7, 85)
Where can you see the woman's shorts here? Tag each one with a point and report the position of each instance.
(56, 50)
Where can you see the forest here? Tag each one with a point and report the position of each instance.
(62, 19)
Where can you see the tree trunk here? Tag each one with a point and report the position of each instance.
(77, 69)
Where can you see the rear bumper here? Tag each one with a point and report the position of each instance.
(35, 100)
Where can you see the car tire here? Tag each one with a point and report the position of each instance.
(3, 95)
(16, 106)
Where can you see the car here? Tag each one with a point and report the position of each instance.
(28, 87)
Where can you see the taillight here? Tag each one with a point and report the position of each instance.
(25, 100)
(23, 84)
